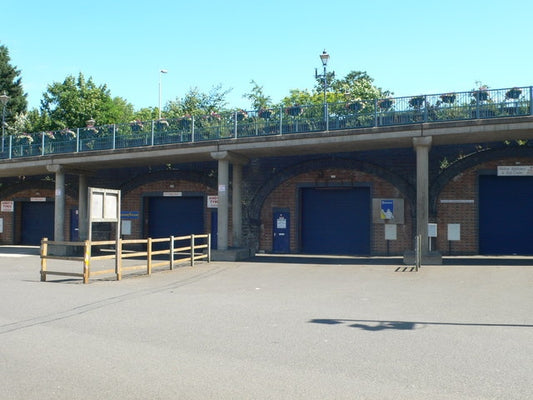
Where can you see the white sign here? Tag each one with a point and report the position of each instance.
(38, 199)
(515, 170)
(432, 230)
(454, 231)
(281, 222)
(126, 227)
(212, 201)
(221, 188)
(104, 205)
(457, 201)
(172, 194)
(7, 206)
(390, 231)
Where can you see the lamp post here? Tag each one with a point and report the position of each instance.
(161, 72)
(324, 57)
(4, 98)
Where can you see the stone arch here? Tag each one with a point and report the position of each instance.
(17, 187)
(254, 211)
(468, 162)
(185, 175)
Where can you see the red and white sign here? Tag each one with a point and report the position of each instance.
(7, 206)
(212, 201)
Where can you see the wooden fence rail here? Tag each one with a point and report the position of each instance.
(191, 248)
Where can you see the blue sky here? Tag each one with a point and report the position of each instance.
(409, 47)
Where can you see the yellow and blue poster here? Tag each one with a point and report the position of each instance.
(387, 209)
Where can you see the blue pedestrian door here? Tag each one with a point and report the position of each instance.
(281, 231)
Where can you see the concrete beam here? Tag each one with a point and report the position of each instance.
(233, 158)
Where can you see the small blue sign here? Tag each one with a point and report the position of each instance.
(129, 214)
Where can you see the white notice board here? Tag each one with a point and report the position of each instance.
(454, 231)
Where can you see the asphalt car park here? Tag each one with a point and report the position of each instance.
(269, 328)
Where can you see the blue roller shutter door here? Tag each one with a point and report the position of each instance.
(335, 220)
(505, 217)
(37, 221)
(175, 216)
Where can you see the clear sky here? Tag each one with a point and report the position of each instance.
(409, 47)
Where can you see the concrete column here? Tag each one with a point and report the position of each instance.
(237, 205)
(83, 229)
(59, 207)
(223, 204)
(422, 146)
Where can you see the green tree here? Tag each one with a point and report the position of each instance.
(198, 103)
(146, 114)
(76, 100)
(11, 85)
(356, 85)
(257, 97)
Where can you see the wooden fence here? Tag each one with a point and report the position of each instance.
(191, 248)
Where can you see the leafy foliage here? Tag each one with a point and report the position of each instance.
(76, 100)
(11, 84)
(257, 97)
(197, 103)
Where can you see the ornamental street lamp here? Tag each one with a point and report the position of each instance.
(161, 72)
(324, 57)
(4, 98)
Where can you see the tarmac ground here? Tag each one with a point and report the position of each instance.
(269, 328)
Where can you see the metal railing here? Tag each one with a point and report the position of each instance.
(477, 104)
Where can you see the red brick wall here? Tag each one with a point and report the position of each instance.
(464, 186)
(11, 218)
(132, 200)
(286, 196)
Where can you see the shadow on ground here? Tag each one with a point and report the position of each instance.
(20, 250)
(378, 325)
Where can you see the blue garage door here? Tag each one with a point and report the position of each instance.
(37, 221)
(505, 217)
(335, 220)
(175, 216)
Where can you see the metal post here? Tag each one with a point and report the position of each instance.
(531, 100)
(327, 116)
(4, 98)
(418, 252)
(3, 126)
(235, 125)
(192, 130)
(42, 143)
(162, 71)
(375, 112)
(114, 136)
(281, 120)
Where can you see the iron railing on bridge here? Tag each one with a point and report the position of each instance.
(482, 103)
